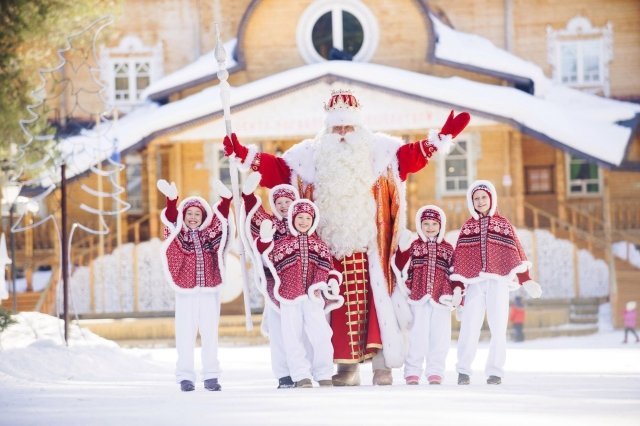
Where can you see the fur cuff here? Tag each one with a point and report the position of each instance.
(248, 163)
(443, 143)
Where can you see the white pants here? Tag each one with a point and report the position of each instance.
(197, 311)
(492, 297)
(306, 318)
(429, 338)
(278, 355)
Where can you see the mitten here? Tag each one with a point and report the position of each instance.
(406, 239)
(221, 189)
(334, 287)
(532, 288)
(455, 124)
(456, 299)
(251, 183)
(168, 189)
(267, 230)
(232, 146)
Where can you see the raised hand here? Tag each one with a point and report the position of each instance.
(232, 146)
(406, 239)
(251, 183)
(221, 189)
(455, 124)
(267, 229)
(168, 189)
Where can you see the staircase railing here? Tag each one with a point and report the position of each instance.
(83, 253)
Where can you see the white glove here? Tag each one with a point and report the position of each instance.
(334, 287)
(532, 288)
(168, 189)
(267, 230)
(251, 183)
(221, 189)
(456, 299)
(406, 239)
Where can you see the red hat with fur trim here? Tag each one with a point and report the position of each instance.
(343, 109)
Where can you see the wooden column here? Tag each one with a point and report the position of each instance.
(606, 212)
(517, 177)
(28, 251)
(152, 192)
(561, 184)
(176, 166)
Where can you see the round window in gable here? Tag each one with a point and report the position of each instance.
(331, 29)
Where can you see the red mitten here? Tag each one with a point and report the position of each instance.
(233, 146)
(228, 146)
(455, 124)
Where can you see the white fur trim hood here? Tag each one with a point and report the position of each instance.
(492, 192)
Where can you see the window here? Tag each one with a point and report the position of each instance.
(584, 177)
(456, 170)
(580, 54)
(581, 64)
(133, 171)
(129, 69)
(539, 179)
(331, 29)
(218, 167)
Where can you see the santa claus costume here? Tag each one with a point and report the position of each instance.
(254, 215)
(194, 265)
(301, 265)
(489, 261)
(422, 271)
(357, 179)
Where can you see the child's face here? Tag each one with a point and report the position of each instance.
(302, 222)
(282, 204)
(430, 228)
(481, 201)
(193, 217)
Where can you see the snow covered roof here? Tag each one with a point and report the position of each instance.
(202, 70)
(575, 121)
(480, 54)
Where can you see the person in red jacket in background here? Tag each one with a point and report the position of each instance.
(516, 318)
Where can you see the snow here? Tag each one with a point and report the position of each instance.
(627, 251)
(591, 380)
(471, 49)
(205, 66)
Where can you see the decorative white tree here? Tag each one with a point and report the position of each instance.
(69, 92)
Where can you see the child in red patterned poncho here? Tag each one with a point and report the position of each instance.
(489, 261)
(306, 285)
(280, 198)
(422, 272)
(193, 259)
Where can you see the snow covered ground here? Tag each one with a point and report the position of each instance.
(593, 380)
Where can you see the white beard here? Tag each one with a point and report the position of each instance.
(342, 191)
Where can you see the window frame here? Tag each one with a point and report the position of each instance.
(131, 52)
(583, 193)
(580, 33)
(368, 21)
(471, 167)
(137, 202)
(527, 179)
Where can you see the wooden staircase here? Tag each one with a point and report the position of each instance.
(586, 231)
(39, 247)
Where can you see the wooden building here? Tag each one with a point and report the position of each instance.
(551, 86)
